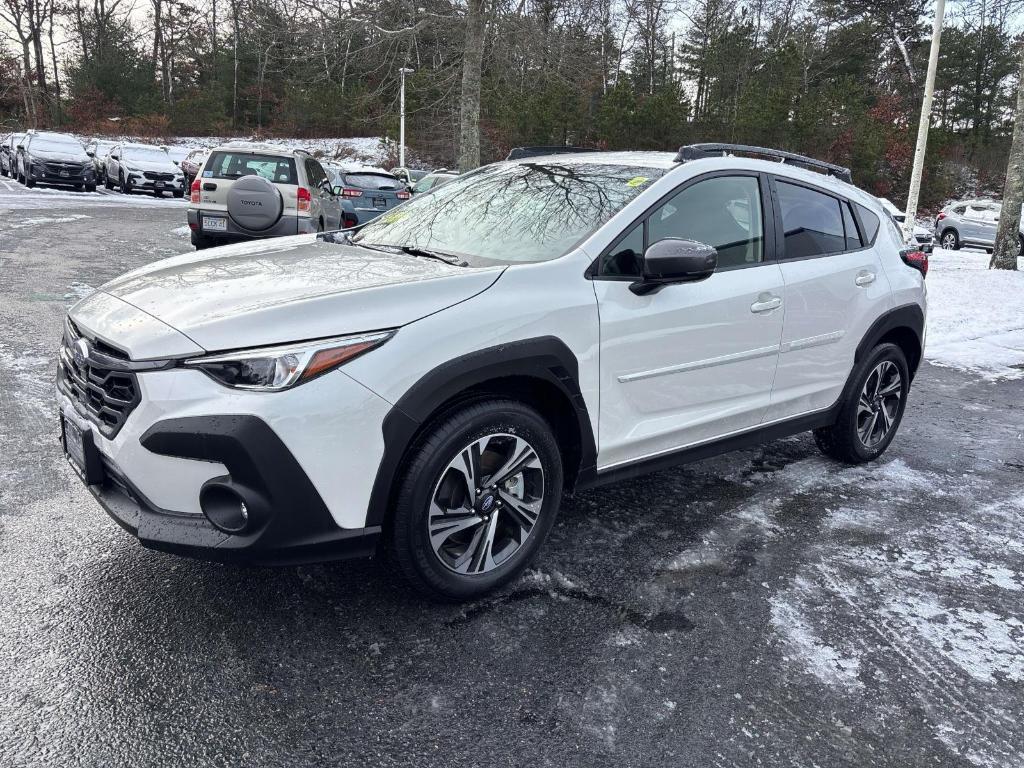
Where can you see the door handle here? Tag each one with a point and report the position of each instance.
(766, 303)
(865, 278)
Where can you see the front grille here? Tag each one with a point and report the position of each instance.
(70, 168)
(154, 176)
(107, 396)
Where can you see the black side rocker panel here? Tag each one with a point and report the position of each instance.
(545, 357)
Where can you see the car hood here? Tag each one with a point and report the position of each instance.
(292, 289)
(60, 157)
(150, 165)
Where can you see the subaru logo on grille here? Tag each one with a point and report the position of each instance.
(80, 351)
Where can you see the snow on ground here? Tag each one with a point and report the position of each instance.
(368, 149)
(975, 315)
(15, 197)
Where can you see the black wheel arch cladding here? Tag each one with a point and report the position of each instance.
(903, 326)
(546, 360)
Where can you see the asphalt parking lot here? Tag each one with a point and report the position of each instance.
(767, 607)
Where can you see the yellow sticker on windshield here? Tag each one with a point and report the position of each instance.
(391, 218)
(637, 181)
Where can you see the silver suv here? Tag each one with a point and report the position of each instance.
(245, 191)
(969, 223)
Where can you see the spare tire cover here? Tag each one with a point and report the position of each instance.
(254, 203)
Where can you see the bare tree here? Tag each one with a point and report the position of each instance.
(472, 66)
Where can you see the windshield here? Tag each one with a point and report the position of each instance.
(147, 154)
(512, 213)
(56, 144)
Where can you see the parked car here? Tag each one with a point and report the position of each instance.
(922, 236)
(969, 223)
(98, 149)
(433, 383)
(192, 163)
(54, 158)
(143, 168)
(433, 180)
(247, 191)
(409, 175)
(177, 154)
(366, 194)
(8, 154)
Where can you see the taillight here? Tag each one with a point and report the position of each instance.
(195, 192)
(349, 192)
(940, 217)
(916, 259)
(303, 200)
(402, 195)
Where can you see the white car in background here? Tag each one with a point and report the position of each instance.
(143, 168)
(922, 236)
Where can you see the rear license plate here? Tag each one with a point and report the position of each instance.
(215, 224)
(380, 202)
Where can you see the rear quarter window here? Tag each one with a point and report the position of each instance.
(870, 221)
(234, 165)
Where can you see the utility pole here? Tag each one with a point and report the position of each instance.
(401, 117)
(923, 126)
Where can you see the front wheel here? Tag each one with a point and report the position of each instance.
(29, 181)
(872, 408)
(480, 495)
(90, 187)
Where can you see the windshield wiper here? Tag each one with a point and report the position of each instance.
(447, 258)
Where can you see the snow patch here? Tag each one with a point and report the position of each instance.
(974, 315)
(828, 664)
(41, 220)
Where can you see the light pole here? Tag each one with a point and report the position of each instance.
(922, 128)
(401, 117)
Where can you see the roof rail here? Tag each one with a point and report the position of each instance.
(697, 151)
(518, 153)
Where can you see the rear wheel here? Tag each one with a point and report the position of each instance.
(950, 240)
(872, 408)
(479, 497)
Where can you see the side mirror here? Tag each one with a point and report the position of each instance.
(675, 260)
(114, 157)
(336, 190)
(90, 153)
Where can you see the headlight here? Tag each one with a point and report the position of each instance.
(271, 369)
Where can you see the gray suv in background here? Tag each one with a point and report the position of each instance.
(245, 191)
(969, 223)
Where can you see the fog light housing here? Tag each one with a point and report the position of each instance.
(224, 507)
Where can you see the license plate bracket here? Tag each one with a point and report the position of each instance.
(81, 451)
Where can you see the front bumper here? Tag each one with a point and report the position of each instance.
(142, 184)
(72, 179)
(303, 461)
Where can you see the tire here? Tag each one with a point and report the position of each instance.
(107, 183)
(29, 181)
(179, 195)
(501, 532)
(950, 240)
(201, 241)
(320, 226)
(868, 419)
(79, 187)
(3, 172)
(90, 187)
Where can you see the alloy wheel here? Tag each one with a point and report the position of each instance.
(879, 403)
(486, 504)
(949, 241)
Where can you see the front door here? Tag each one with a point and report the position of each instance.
(693, 361)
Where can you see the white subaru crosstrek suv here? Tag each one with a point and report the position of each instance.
(432, 382)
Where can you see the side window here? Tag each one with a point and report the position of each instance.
(960, 210)
(812, 223)
(853, 241)
(870, 222)
(723, 212)
(624, 258)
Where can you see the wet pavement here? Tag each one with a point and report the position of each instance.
(766, 607)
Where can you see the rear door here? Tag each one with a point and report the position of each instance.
(835, 289)
(693, 361)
